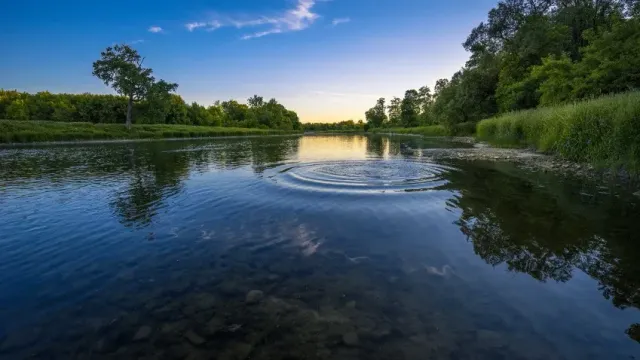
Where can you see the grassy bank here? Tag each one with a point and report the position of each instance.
(604, 132)
(464, 129)
(12, 131)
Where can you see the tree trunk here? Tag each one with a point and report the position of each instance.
(129, 112)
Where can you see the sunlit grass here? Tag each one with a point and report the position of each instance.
(463, 129)
(12, 131)
(603, 131)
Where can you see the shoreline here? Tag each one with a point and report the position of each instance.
(525, 158)
(135, 140)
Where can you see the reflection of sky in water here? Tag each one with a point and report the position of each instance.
(104, 244)
(318, 148)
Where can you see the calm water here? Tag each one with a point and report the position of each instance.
(152, 250)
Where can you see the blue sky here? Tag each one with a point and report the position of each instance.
(329, 60)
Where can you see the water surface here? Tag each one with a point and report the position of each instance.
(360, 251)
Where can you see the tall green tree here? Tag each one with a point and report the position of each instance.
(121, 68)
(395, 114)
(410, 108)
(376, 116)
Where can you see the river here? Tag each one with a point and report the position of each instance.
(309, 247)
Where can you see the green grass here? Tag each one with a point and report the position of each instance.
(463, 129)
(604, 132)
(433, 130)
(12, 131)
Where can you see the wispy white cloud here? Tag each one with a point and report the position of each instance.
(300, 17)
(139, 41)
(339, 21)
(155, 29)
(261, 34)
(208, 26)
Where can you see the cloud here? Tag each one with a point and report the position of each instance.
(208, 26)
(261, 34)
(155, 29)
(339, 21)
(297, 18)
(139, 41)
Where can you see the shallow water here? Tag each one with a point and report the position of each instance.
(360, 251)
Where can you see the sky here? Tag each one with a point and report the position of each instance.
(328, 60)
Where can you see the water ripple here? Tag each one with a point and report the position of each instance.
(366, 176)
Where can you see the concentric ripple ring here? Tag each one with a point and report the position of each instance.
(363, 176)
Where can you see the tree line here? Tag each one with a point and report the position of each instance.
(529, 53)
(172, 109)
(347, 125)
(142, 97)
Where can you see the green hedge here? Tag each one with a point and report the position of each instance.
(14, 131)
(603, 131)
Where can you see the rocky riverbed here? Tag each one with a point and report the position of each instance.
(525, 158)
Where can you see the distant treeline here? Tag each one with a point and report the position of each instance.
(529, 53)
(348, 125)
(166, 109)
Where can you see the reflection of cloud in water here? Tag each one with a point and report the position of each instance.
(444, 272)
(207, 235)
(306, 240)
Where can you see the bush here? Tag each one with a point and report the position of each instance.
(603, 131)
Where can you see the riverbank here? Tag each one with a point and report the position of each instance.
(12, 132)
(525, 158)
(464, 129)
(603, 132)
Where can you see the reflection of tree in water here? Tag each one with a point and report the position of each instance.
(377, 145)
(156, 171)
(154, 176)
(267, 151)
(547, 232)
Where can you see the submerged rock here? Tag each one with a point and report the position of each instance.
(254, 296)
(350, 339)
(194, 338)
(143, 333)
(637, 193)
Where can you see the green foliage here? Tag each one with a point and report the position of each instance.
(604, 131)
(121, 68)
(530, 53)
(160, 107)
(433, 130)
(12, 131)
(376, 116)
(342, 126)
(395, 114)
(17, 110)
(555, 76)
(462, 129)
(410, 109)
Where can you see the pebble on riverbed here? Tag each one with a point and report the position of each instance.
(254, 297)
(350, 339)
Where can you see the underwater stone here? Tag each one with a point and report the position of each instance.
(350, 339)
(194, 338)
(254, 296)
(142, 333)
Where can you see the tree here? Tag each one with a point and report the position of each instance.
(121, 68)
(376, 116)
(255, 101)
(394, 112)
(410, 109)
(17, 110)
(425, 100)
